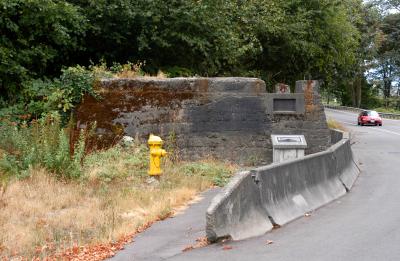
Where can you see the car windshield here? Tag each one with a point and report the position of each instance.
(370, 113)
(373, 113)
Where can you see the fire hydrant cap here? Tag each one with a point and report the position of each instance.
(154, 140)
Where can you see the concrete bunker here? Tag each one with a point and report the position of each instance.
(225, 118)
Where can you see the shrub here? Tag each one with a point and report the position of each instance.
(42, 143)
(177, 71)
(60, 94)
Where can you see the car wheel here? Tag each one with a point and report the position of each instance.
(362, 124)
(358, 123)
(380, 124)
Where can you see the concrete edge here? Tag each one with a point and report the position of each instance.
(233, 212)
(349, 170)
(227, 190)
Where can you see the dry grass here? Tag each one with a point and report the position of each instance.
(41, 215)
(333, 124)
(131, 70)
(161, 75)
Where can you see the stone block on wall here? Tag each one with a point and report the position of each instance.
(282, 88)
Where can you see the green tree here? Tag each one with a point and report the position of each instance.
(207, 37)
(354, 82)
(313, 39)
(278, 40)
(386, 5)
(386, 69)
(37, 39)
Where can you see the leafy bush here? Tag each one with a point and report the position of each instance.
(14, 113)
(41, 144)
(61, 95)
(177, 71)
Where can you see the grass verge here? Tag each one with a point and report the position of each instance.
(43, 215)
(387, 110)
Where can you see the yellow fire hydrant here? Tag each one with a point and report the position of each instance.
(156, 152)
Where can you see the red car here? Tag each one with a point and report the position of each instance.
(370, 118)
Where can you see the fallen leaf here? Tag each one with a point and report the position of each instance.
(269, 242)
(187, 248)
(200, 242)
(307, 215)
(227, 248)
(276, 226)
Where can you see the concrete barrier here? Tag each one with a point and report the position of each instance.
(293, 188)
(345, 165)
(279, 193)
(336, 136)
(237, 211)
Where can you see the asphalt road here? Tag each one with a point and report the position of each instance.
(363, 225)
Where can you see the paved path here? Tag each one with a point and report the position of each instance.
(169, 237)
(363, 225)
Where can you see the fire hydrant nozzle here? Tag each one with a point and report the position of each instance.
(156, 153)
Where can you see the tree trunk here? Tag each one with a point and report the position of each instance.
(357, 91)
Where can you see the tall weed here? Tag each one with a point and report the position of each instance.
(42, 143)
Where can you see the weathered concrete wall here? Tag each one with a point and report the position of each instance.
(227, 118)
